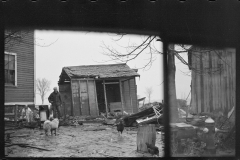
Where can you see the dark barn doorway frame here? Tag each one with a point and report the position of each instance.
(191, 22)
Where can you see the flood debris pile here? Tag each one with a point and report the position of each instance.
(192, 137)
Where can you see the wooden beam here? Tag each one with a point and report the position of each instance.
(130, 94)
(80, 102)
(88, 100)
(105, 96)
(82, 78)
(112, 83)
(125, 80)
(120, 85)
(72, 100)
(95, 91)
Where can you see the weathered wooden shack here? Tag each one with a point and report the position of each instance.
(213, 85)
(91, 89)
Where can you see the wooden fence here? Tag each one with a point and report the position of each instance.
(213, 86)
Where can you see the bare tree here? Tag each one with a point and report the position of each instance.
(149, 92)
(174, 50)
(43, 86)
(13, 37)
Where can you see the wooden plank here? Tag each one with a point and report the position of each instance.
(72, 100)
(211, 83)
(193, 90)
(92, 98)
(133, 95)
(121, 94)
(198, 84)
(105, 96)
(80, 101)
(231, 79)
(234, 75)
(208, 80)
(214, 80)
(227, 83)
(67, 100)
(130, 96)
(75, 91)
(84, 97)
(88, 98)
(82, 78)
(127, 97)
(111, 82)
(95, 91)
(220, 81)
(202, 83)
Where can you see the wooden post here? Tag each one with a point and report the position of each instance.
(88, 100)
(105, 96)
(16, 113)
(120, 85)
(64, 107)
(80, 101)
(146, 134)
(130, 95)
(95, 91)
(72, 100)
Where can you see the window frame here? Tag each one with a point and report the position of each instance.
(15, 84)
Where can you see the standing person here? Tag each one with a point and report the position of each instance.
(56, 101)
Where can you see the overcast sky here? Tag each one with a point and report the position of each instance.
(57, 49)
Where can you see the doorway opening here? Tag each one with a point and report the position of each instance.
(113, 96)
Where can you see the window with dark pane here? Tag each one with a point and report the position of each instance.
(9, 69)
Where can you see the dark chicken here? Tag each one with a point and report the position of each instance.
(152, 149)
(120, 126)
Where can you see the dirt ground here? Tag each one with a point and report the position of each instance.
(79, 141)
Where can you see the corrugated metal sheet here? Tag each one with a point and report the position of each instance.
(213, 80)
(24, 92)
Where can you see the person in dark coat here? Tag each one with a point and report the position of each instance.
(56, 101)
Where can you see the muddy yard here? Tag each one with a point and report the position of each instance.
(88, 140)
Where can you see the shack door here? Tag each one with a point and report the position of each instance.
(84, 97)
(130, 95)
(76, 110)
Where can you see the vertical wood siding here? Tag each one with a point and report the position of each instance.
(213, 89)
(127, 91)
(65, 92)
(24, 92)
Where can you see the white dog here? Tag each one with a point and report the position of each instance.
(50, 125)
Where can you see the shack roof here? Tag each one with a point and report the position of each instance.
(102, 71)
